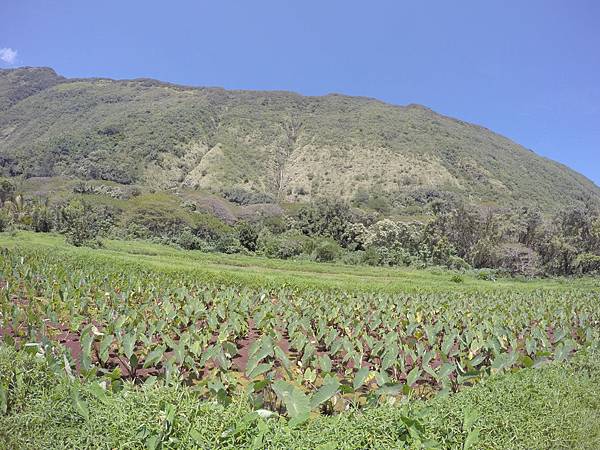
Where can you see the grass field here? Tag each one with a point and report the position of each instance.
(259, 271)
(136, 345)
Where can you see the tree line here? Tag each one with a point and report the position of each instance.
(520, 241)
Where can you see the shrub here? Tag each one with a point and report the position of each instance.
(588, 263)
(457, 279)
(326, 250)
(243, 197)
(247, 235)
(189, 241)
(41, 218)
(287, 245)
(7, 189)
(5, 220)
(454, 262)
(486, 275)
(327, 218)
(228, 243)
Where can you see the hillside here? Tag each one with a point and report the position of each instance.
(265, 146)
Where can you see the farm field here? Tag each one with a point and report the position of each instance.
(207, 350)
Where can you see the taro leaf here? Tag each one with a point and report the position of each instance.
(413, 376)
(447, 345)
(80, 405)
(445, 370)
(230, 348)
(129, 344)
(430, 371)
(99, 392)
(427, 357)
(86, 350)
(325, 392)
(310, 375)
(389, 358)
(563, 351)
(296, 403)
(105, 347)
(208, 354)
(382, 378)
(259, 370)
(360, 377)
(179, 350)
(251, 365)
(391, 389)
(253, 348)
(325, 363)
(471, 417)
(266, 349)
(477, 360)
(472, 439)
(530, 345)
(282, 357)
(499, 362)
(154, 357)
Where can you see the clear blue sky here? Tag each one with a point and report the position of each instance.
(529, 70)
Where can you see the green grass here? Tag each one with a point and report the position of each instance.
(556, 407)
(260, 271)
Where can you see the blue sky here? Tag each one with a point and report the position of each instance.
(529, 70)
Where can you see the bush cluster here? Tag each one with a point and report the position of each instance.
(460, 237)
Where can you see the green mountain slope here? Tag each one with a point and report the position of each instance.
(284, 145)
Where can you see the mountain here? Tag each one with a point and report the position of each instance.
(266, 146)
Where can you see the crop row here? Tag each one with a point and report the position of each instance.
(301, 350)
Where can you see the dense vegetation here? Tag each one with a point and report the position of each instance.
(257, 147)
(456, 235)
(109, 340)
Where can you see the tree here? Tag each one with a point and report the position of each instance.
(326, 250)
(81, 223)
(326, 218)
(7, 190)
(41, 219)
(247, 235)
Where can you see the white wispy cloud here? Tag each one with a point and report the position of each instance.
(8, 55)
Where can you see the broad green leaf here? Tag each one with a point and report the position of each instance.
(99, 392)
(472, 439)
(471, 417)
(413, 376)
(259, 370)
(105, 347)
(80, 405)
(360, 377)
(129, 344)
(325, 392)
(445, 370)
(154, 357)
(296, 402)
